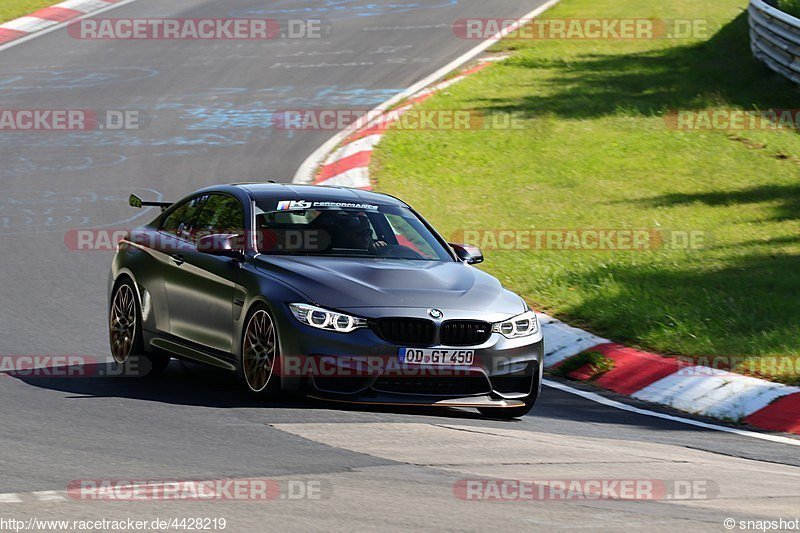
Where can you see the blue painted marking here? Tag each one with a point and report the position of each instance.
(46, 80)
(39, 164)
(23, 212)
(339, 9)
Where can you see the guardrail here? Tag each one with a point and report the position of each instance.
(775, 39)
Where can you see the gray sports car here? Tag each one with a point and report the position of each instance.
(338, 293)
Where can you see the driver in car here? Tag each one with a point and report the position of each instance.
(354, 231)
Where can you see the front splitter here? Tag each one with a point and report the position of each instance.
(420, 401)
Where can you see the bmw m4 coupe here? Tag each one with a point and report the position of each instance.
(337, 293)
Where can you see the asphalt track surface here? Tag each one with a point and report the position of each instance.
(206, 107)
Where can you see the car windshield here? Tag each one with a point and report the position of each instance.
(344, 230)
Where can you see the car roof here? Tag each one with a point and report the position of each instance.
(285, 191)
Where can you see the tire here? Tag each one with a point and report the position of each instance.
(260, 350)
(125, 332)
(158, 362)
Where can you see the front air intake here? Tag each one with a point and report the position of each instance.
(465, 332)
(405, 331)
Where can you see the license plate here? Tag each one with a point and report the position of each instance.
(436, 356)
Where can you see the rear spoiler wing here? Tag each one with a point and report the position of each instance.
(135, 201)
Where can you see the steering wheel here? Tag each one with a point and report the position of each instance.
(395, 251)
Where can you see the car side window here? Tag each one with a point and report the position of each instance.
(181, 220)
(407, 236)
(220, 214)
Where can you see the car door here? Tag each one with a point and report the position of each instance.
(201, 291)
(165, 250)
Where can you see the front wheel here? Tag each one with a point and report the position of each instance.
(260, 350)
(125, 332)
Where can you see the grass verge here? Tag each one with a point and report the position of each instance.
(594, 365)
(595, 152)
(11, 9)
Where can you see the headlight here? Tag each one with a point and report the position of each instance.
(518, 326)
(320, 318)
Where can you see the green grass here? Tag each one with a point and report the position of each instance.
(598, 363)
(595, 153)
(11, 9)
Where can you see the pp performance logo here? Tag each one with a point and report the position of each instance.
(286, 205)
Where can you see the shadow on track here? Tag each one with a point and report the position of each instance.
(186, 383)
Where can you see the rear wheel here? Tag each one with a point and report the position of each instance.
(259, 353)
(125, 332)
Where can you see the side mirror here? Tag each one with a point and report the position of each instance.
(222, 244)
(135, 201)
(468, 253)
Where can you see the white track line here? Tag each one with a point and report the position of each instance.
(305, 174)
(60, 25)
(49, 495)
(631, 409)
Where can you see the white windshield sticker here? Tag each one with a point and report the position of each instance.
(286, 205)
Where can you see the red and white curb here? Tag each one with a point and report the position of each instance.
(676, 383)
(644, 376)
(48, 17)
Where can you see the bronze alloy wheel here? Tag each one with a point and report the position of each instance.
(122, 323)
(258, 350)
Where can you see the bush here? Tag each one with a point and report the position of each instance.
(791, 7)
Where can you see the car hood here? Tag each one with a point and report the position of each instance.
(342, 283)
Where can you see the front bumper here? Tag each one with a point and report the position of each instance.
(373, 398)
(361, 367)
